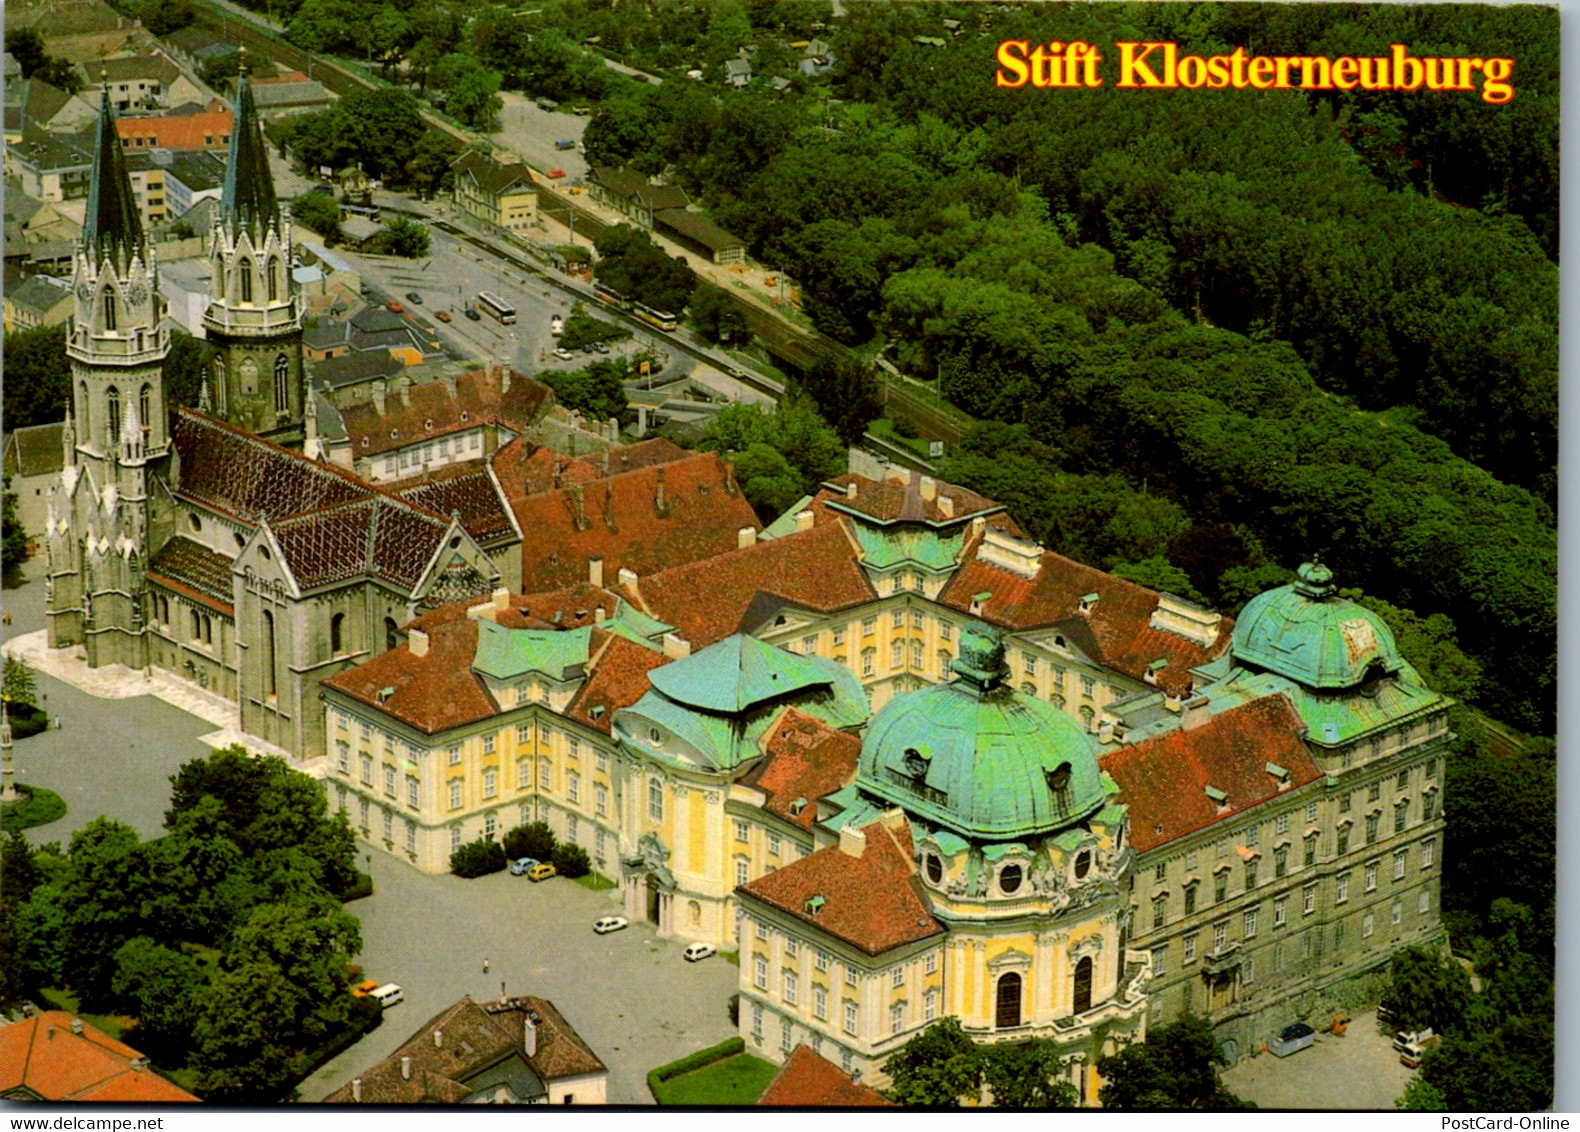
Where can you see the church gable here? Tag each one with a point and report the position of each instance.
(459, 570)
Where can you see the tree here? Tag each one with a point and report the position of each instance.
(13, 538)
(60, 73)
(1158, 573)
(186, 365)
(161, 17)
(220, 70)
(940, 1068)
(27, 48)
(38, 377)
(1023, 1076)
(1176, 1067)
(1419, 1096)
(472, 89)
(404, 237)
(535, 840)
(846, 394)
(240, 1046)
(21, 687)
(319, 212)
(716, 315)
(428, 170)
(477, 858)
(793, 429)
(157, 985)
(768, 481)
(1427, 990)
(571, 860)
(634, 266)
(596, 391)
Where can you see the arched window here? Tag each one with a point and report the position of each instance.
(282, 384)
(197, 626)
(337, 634)
(1083, 985)
(219, 377)
(144, 408)
(219, 279)
(208, 629)
(1007, 1012)
(274, 280)
(391, 633)
(84, 413)
(269, 689)
(109, 309)
(112, 405)
(244, 275)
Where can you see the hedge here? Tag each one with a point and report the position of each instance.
(477, 858)
(26, 720)
(37, 806)
(363, 886)
(727, 1048)
(571, 860)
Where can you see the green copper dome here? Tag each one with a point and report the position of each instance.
(1310, 635)
(980, 758)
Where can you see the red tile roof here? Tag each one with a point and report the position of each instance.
(806, 760)
(1117, 633)
(570, 607)
(561, 1051)
(707, 600)
(622, 523)
(430, 410)
(873, 902)
(330, 526)
(891, 499)
(206, 130)
(469, 492)
(525, 468)
(618, 680)
(42, 1056)
(1164, 780)
(809, 1080)
(194, 571)
(432, 693)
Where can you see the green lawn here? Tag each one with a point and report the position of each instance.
(113, 1024)
(737, 1080)
(595, 881)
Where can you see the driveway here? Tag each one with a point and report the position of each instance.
(1358, 1071)
(630, 995)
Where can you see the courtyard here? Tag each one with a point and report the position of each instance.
(1358, 1071)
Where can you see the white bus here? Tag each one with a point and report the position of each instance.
(492, 304)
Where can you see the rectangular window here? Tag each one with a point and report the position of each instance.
(850, 976)
(946, 631)
(1398, 911)
(930, 963)
(454, 755)
(343, 756)
(1404, 780)
(367, 769)
(1281, 824)
(1253, 837)
(1310, 899)
(850, 1018)
(1368, 924)
(389, 826)
(869, 625)
(760, 973)
(896, 654)
(1344, 803)
(897, 619)
(1280, 912)
(545, 774)
(573, 786)
(1343, 840)
(455, 838)
(1220, 936)
(1427, 848)
(821, 962)
(413, 792)
(574, 752)
(1088, 686)
(490, 783)
(809, 645)
(655, 799)
(523, 773)
(1311, 812)
(488, 744)
(896, 1018)
(1160, 912)
(1423, 903)
(601, 761)
(1431, 769)
(1250, 922)
(411, 837)
(762, 930)
(792, 948)
(930, 1006)
(1374, 792)
(1341, 888)
(1280, 860)
(819, 1002)
(918, 655)
(1220, 888)
(1248, 969)
(741, 876)
(1160, 957)
(757, 1018)
(455, 795)
(839, 637)
(389, 780)
(1223, 848)
(868, 661)
(1371, 876)
(1428, 807)
(1190, 899)
(775, 843)
(600, 800)
(740, 830)
(1371, 828)
(1311, 851)
(916, 614)
(792, 988)
(1161, 872)
(1250, 875)
(897, 977)
(1190, 948)
(367, 730)
(1398, 865)
(490, 826)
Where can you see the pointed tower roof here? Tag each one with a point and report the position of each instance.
(248, 199)
(112, 224)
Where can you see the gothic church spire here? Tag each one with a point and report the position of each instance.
(112, 226)
(247, 202)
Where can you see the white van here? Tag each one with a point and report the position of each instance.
(388, 995)
(557, 326)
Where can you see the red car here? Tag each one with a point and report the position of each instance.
(555, 174)
(442, 316)
(394, 306)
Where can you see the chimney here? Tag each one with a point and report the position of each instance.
(501, 599)
(76, 1025)
(1105, 731)
(598, 614)
(438, 1039)
(929, 488)
(1194, 713)
(660, 504)
(852, 842)
(576, 502)
(51, 1036)
(356, 1090)
(746, 536)
(504, 380)
(405, 390)
(529, 1033)
(450, 385)
(380, 387)
(850, 490)
(676, 647)
(626, 578)
(804, 520)
(405, 1068)
(595, 572)
(946, 507)
(418, 640)
(608, 499)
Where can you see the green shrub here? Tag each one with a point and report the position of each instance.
(904, 426)
(362, 887)
(27, 721)
(727, 1048)
(571, 860)
(36, 806)
(535, 840)
(477, 858)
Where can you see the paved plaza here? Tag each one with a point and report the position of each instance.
(1358, 1071)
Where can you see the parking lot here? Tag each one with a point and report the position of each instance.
(1358, 1071)
(632, 996)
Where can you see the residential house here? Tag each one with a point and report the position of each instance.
(38, 300)
(737, 72)
(51, 167)
(146, 171)
(191, 177)
(54, 1056)
(285, 95)
(194, 45)
(140, 82)
(630, 193)
(502, 195)
(510, 1051)
(33, 458)
(373, 330)
(207, 127)
(42, 108)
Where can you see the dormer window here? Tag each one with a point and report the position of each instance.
(1009, 878)
(934, 866)
(917, 762)
(1083, 864)
(1058, 779)
(1088, 603)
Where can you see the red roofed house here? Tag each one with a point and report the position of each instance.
(810, 1081)
(511, 1051)
(53, 1056)
(207, 129)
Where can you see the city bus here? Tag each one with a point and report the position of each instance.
(492, 304)
(661, 319)
(365, 211)
(607, 294)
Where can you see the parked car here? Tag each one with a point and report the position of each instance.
(555, 174)
(387, 995)
(565, 143)
(471, 313)
(562, 353)
(1412, 1046)
(394, 306)
(588, 348)
(541, 871)
(556, 326)
(442, 316)
(699, 951)
(546, 103)
(601, 347)
(520, 866)
(365, 988)
(414, 297)
(611, 924)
